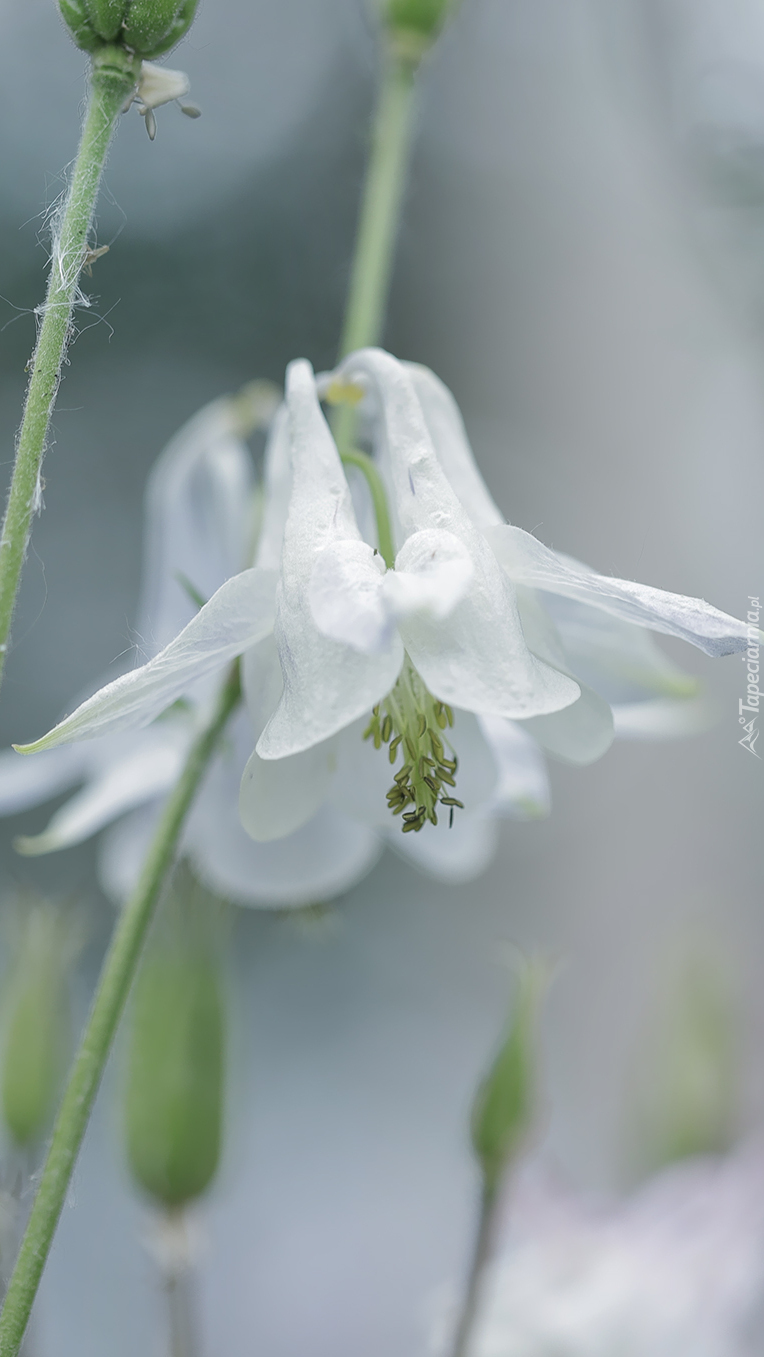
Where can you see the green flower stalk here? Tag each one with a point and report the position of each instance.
(409, 29)
(119, 35)
(502, 1117)
(117, 973)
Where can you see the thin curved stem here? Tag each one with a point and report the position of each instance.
(379, 501)
(107, 95)
(378, 222)
(116, 978)
(481, 1257)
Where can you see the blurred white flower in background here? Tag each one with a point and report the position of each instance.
(676, 1270)
(479, 626)
(201, 510)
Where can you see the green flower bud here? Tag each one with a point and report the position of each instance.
(174, 1105)
(107, 16)
(37, 1022)
(77, 20)
(690, 1081)
(503, 1108)
(415, 24)
(146, 28)
(154, 26)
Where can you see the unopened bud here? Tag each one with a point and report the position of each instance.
(174, 1106)
(77, 20)
(690, 1082)
(503, 1110)
(37, 1021)
(415, 24)
(145, 28)
(152, 27)
(107, 16)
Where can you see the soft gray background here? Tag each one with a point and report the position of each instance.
(581, 261)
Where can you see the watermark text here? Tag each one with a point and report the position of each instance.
(749, 706)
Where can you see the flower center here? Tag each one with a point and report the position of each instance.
(411, 722)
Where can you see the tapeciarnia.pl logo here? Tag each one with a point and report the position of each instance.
(750, 703)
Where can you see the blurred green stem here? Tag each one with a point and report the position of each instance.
(108, 91)
(117, 974)
(178, 1287)
(481, 1257)
(180, 1315)
(378, 222)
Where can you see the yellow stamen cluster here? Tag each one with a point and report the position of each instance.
(411, 720)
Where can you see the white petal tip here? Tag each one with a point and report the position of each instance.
(36, 845)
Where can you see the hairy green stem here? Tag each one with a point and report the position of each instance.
(378, 223)
(116, 977)
(481, 1257)
(111, 84)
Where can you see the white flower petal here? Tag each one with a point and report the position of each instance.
(433, 572)
(262, 684)
(160, 85)
(325, 858)
(478, 660)
(346, 597)
(277, 796)
(327, 685)
(277, 477)
(621, 661)
(236, 617)
(452, 447)
(522, 790)
(663, 718)
(125, 784)
(453, 856)
(322, 859)
(528, 561)
(199, 521)
(477, 657)
(28, 782)
(353, 598)
(580, 734)
(122, 850)
(363, 777)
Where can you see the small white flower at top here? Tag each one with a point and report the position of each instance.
(159, 85)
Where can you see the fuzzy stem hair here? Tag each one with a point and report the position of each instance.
(108, 90)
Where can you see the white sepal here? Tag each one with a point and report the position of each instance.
(327, 683)
(528, 561)
(238, 616)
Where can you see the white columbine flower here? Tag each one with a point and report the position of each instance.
(677, 1270)
(471, 650)
(200, 522)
